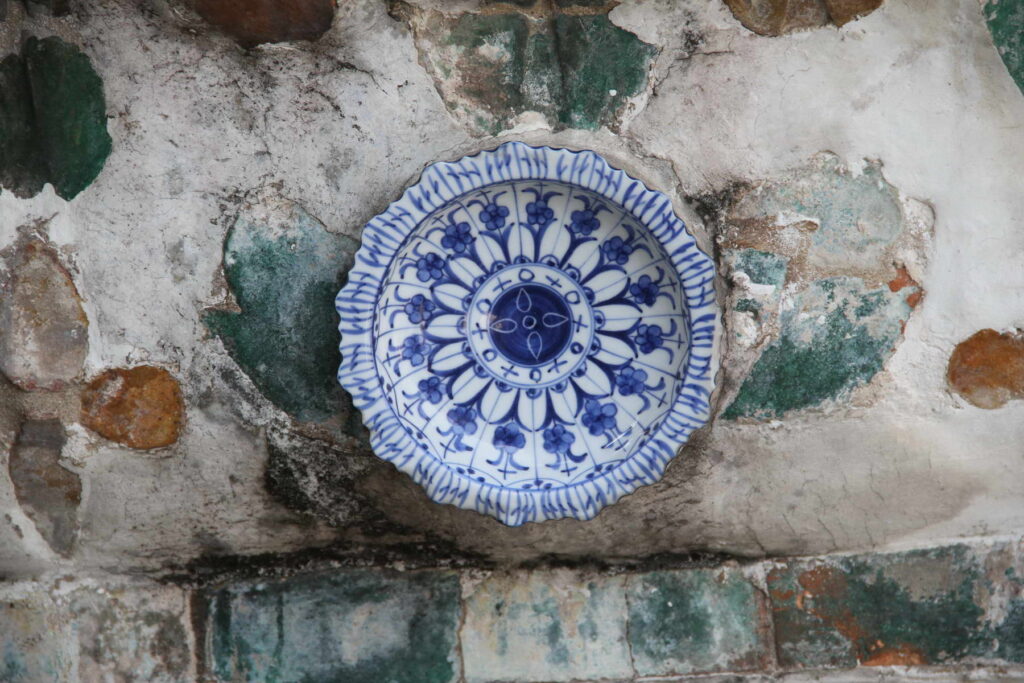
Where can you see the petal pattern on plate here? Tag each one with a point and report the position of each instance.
(613, 351)
(618, 317)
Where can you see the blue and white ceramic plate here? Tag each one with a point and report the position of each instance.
(528, 333)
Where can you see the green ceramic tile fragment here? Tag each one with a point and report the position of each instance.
(762, 267)
(836, 336)
(1006, 23)
(284, 271)
(356, 626)
(924, 607)
(22, 167)
(577, 70)
(53, 125)
(67, 97)
(545, 626)
(601, 66)
(696, 621)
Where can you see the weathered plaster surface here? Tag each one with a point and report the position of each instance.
(912, 101)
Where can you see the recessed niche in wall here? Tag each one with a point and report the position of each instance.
(528, 333)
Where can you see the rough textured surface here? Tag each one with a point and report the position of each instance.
(53, 119)
(567, 62)
(834, 336)
(1006, 22)
(252, 22)
(907, 609)
(47, 491)
(820, 294)
(543, 626)
(987, 368)
(776, 17)
(284, 269)
(341, 125)
(43, 329)
(697, 621)
(91, 631)
(362, 627)
(139, 407)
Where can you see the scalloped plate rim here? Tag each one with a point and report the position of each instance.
(356, 303)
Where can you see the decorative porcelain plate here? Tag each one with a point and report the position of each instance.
(528, 333)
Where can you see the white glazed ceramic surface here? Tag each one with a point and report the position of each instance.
(528, 333)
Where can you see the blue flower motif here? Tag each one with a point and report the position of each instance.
(430, 389)
(558, 439)
(429, 267)
(493, 215)
(538, 213)
(617, 251)
(419, 308)
(457, 237)
(414, 349)
(648, 337)
(631, 380)
(463, 420)
(584, 222)
(599, 418)
(644, 290)
(508, 437)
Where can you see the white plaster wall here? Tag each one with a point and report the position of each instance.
(195, 120)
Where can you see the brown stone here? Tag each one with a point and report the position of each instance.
(251, 22)
(987, 368)
(844, 11)
(138, 407)
(43, 329)
(47, 492)
(776, 17)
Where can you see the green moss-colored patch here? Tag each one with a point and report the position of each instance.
(284, 271)
(352, 626)
(578, 70)
(53, 124)
(836, 336)
(908, 608)
(1006, 23)
(545, 626)
(762, 267)
(601, 66)
(695, 621)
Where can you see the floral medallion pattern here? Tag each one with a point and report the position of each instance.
(529, 333)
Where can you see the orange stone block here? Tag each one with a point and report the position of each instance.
(987, 368)
(139, 407)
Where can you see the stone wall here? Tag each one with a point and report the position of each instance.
(182, 190)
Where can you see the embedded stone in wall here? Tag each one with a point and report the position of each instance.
(572, 626)
(96, 633)
(776, 17)
(251, 22)
(1006, 23)
(33, 641)
(697, 621)
(48, 493)
(836, 335)
(43, 329)
(355, 626)
(134, 633)
(54, 113)
(284, 269)
(567, 62)
(139, 407)
(821, 286)
(916, 608)
(987, 368)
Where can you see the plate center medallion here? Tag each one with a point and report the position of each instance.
(530, 324)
